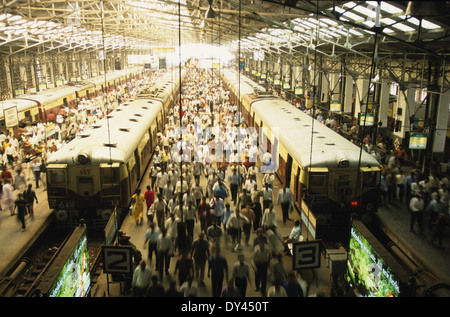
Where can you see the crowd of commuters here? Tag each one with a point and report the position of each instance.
(205, 173)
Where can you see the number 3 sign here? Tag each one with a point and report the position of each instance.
(306, 255)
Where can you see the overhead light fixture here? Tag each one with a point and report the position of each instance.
(210, 13)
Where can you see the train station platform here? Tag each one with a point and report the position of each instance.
(393, 219)
(15, 242)
(318, 280)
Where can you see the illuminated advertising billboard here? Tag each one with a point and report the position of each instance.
(74, 280)
(368, 274)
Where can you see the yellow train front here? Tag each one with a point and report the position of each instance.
(98, 172)
(332, 180)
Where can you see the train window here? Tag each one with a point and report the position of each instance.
(109, 173)
(56, 176)
(370, 178)
(317, 180)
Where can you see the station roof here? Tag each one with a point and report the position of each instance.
(270, 26)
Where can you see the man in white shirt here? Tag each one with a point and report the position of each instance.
(269, 219)
(285, 199)
(416, 206)
(164, 247)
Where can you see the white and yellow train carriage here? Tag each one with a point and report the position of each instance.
(31, 108)
(331, 179)
(242, 91)
(101, 169)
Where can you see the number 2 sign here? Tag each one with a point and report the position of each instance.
(117, 259)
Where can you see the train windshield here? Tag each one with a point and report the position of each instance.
(318, 177)
(56, 174)
(370, 178)
(109, 173)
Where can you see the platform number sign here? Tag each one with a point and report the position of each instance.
(306, 255)
(117, 259)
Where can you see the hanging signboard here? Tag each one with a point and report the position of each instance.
(366, 119)
(335, 106)
(298, 90)
(418, 141)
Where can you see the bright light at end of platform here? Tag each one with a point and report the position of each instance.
(200, 51)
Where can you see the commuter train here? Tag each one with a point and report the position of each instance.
(36, 107)
(99, 171)
(332, 180)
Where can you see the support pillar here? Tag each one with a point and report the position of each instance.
(384, 105)
(348, 94)
(334, 90)
(325, 88)
(440, 134)
(361, 95)
(401, 113)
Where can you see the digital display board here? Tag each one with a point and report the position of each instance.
(335, 106)
(74, 280)
(418, 141)
(366, 119)
(367, 271)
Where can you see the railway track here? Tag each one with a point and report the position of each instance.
(26, 273)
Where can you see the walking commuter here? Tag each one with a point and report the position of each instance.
(7, 197)
(234, 181)
(217, 270)
(267, 195)
(269, 219)
(234, 226)
(200, 254)
(159, 208)
(141, 279)
(137, 200)
(184, 266)
(21, 205)
(257, 210)
(151, 238)
(285, 199)
(241, 274)
(30, 197)
(149, 196)
(416, 206)
(36, 167)
(155, 288)
(164, 247)
(190, 216)
(260, 261)
(248, 213)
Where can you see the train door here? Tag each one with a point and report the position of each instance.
(318, 185)
(288, 168)
(110, 181)
(138, 163)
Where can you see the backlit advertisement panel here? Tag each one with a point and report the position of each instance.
(368, 273)
(74, 280)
